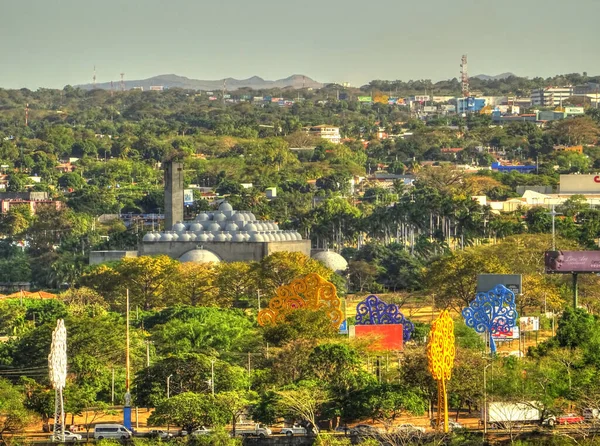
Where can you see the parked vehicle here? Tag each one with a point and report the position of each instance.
(502, 415)
(591, 414)
(364, 429)
(111, 431)
(156, 433)
(294, 430)
(69, 436)
(201, 431)
(451, 424)
(253, 430)
(570, 418)
(411, 429)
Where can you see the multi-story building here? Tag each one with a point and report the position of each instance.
(328, 132)
(550, 96)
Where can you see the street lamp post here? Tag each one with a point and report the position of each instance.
(169, 386)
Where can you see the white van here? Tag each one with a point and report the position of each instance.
(111, 431)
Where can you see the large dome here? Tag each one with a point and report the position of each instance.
(225, 207)
(199, 255)
(332, 260)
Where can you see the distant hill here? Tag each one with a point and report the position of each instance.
(486, 77)
(174, 81)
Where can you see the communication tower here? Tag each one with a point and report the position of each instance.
(122, 81)
(94, 78)
(26, 115)
(464, 76)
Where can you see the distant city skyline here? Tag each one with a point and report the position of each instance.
(53, 44)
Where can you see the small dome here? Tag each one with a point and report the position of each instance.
(238, 238)
(250, 227)
(256, 237)
(202, 237)
(174, 236)
(166, 237)
(250, 217)
(193, 236)
(332, 260)
(225, 207)
(202, 216)
(210, 236)
(239, 216)
(179, 227)
(231, 226)
(214, 226)
(185, 237)
(220, 237)
(148, 237)
(196, 227)
(219, 216)
(200, 256)
(246, 236)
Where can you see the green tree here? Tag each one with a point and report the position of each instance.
(190, 411)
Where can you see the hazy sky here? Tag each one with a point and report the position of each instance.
(51, 43)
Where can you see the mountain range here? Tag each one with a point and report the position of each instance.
(498, 77)
(231, 84)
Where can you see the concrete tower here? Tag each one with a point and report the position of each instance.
(173, 193)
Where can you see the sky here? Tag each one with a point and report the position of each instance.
(53, 43)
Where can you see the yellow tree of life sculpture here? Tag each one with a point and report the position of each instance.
(311, 292)
(440, 353)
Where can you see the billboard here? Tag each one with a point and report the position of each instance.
(567, 262)
(508, 336)
(529, 323)
(579, 184)
(513, 282)
(389, 336)
(188, 197)
(365, 99)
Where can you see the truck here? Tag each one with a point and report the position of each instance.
(502, 415)
(252, 430)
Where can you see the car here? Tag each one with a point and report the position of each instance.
(294, 430)
(69, 436)
(201, 431)
(409, 428)
(156, 433)
(451, 424)
(591, 413)
(363, 429)
(570, 418)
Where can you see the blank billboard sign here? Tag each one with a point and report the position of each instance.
(487, 282)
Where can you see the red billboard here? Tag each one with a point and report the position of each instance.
(568, 262)
(386, 336)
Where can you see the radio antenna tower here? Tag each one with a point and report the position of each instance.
(224, 90)
(94, 78)
(122, 81)
(464, 76)
(26, 115)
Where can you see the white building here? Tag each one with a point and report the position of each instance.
(550, 96)
(330, 133)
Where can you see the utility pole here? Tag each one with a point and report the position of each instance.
(258, 299)
(147, 353)
(112, 397)
(127, 406)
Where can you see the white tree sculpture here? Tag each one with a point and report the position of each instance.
(57, 365)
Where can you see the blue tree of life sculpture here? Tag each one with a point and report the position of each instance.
(494, 312)
(374, 311)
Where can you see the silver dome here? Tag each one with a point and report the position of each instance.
(202, 216)
(196, 227)
(179, 227)
(225, 207)
(220, 237)
(214, 226)
(202, 237)
(185, 237)
(166, 237)
(332, 260)
(148, 237)
(256, 237)
(199, 255)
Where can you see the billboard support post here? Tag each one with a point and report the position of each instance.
(575, 290)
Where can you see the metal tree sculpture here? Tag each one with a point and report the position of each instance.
(311, 292)
(57, 365)
(374, 311)
(493, 312)
(440, 355)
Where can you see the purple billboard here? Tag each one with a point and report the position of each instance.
(568, 262)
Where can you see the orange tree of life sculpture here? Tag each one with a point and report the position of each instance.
(311, 292)
(440, 353)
